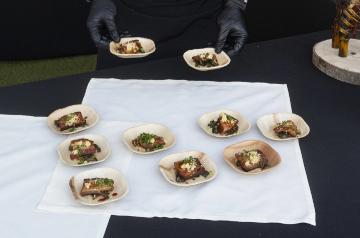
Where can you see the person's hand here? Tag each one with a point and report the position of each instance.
(101, 23)
(232, 29)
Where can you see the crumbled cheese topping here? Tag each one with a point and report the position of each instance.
(188, 166)
(130, 46)
(152, 140)
(72, 120)
(223, 117)
(254, 157)
(206, 56)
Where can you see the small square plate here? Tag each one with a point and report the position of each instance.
(147, 44)
(91, 118)
(222, 58)
(267, 123)
(120, 185)
(168, 171)
(157, 129)
(271, 155)
(243, 124)
(64, 152)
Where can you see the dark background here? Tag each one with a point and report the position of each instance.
(52, 28)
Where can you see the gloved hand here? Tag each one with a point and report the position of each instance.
(232, 30)
(101, 23)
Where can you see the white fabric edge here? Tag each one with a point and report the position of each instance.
(302, 170)
(41, 208)
(19, 116)
(174, 81)
(61, 209)
(101, 232)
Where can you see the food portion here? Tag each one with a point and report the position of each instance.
(286, 129)
(205, 60)
(149, 142)
(249, 160)
(130, 47)
(70, 121)
(224, 125)
(83, 151)
(189, 168)
(101, 188)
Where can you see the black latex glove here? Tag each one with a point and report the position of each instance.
(232, 29)
(101, 23)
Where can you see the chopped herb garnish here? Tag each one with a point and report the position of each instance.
(104, 181)
(147, 138)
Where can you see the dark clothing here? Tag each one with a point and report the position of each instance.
(175, 26)
(173, 8)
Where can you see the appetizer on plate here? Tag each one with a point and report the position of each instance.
(149, 142)
(283, 126)
(205, 60)
(130, 47)
(286, 129)
(98, 188)
(224, 125)
(83, 150)
(189, 168)
(70, 121)
(251, 159)
(148, 138)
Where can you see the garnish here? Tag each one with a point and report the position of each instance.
(149, 142)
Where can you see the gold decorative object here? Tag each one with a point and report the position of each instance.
(346, 25)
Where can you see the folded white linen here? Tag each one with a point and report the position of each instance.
(281, 195)
(27, 160)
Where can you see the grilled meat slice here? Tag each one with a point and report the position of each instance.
(250, 160)
(286, 129)
(189, 168)
(72, 120)
(205, 60)
(97, 187)
(149, 142)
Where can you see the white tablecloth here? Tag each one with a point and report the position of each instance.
(282, 195)
(28, 157)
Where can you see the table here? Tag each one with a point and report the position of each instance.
(330, 152)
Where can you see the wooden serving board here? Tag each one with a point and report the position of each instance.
(326, 59)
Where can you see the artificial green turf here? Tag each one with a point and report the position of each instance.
(17, 72)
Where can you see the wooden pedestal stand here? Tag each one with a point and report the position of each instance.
(327, 59)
